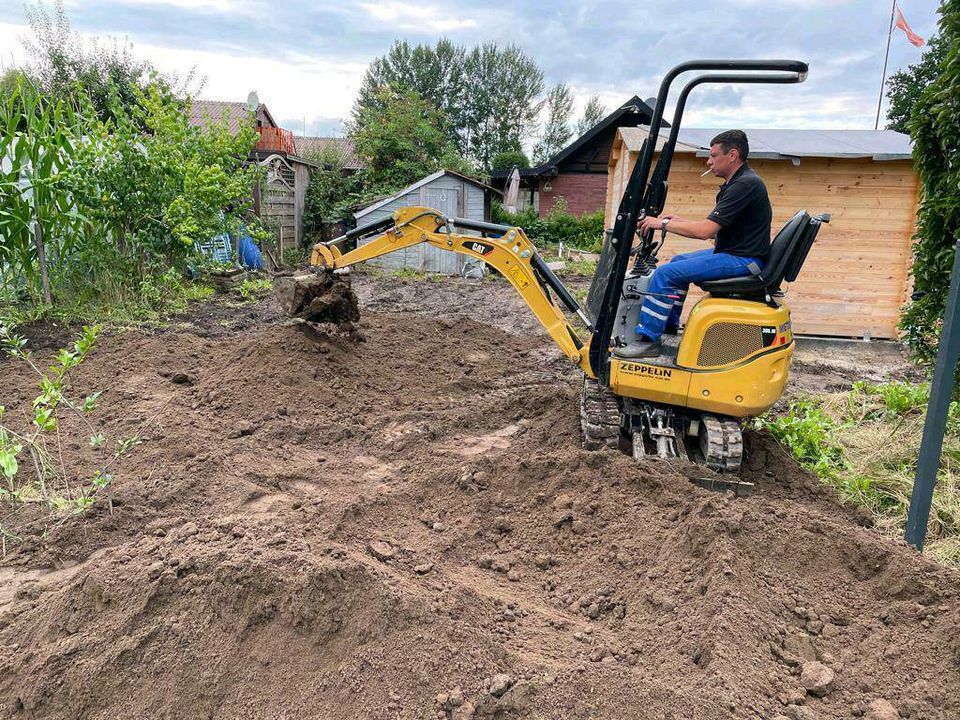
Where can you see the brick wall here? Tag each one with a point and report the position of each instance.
(584, 192)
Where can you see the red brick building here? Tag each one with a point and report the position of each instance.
(578, 173)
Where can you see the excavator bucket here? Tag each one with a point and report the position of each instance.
(320, 296)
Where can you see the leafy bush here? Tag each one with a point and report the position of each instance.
(808, 432)
(97, 211)
(936, 145)
(558, 226)
(509, 159)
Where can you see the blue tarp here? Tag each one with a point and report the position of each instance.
(250, 256)
(220, 249)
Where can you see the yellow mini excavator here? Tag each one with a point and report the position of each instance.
(733, 357)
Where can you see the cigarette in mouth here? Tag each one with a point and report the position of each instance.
(705, 172)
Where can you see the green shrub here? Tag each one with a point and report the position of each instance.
(509, 159)
(936, 144)
(558, 226)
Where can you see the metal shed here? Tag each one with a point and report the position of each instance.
(451, 193)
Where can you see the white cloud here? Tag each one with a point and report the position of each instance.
(305, 86)
(247, 8)
(413, 17)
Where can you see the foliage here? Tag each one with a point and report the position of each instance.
(509, 159)
(95, 210)
(593, 113)
(559, 226)
(936, 136)
(556, 132)
(864, 444)
(40, 140)
(808, 432)
(253, 289)
(330, 191)
(487, 95)
(63, 65)
(905, 87)
(32, 460)
(579, 268)
(435, 74)
(401, 139)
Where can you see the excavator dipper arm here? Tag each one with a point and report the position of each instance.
(511, 253)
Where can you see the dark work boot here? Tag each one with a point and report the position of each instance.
(639, 349)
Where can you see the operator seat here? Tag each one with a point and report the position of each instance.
(788, 251)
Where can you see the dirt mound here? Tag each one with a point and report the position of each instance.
(398, 522)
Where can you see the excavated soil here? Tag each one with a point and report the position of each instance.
(398, 522)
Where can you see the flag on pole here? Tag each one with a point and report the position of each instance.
(911, 35)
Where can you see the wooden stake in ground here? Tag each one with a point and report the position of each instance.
(42, 262)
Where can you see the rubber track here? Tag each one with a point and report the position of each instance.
(599, 416)
(724, 447)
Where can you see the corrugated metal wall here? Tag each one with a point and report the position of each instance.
(448, 194)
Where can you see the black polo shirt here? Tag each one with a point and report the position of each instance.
(744, 214)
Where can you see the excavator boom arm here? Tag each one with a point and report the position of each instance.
(512, 254)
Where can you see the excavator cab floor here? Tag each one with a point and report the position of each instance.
(668, 355)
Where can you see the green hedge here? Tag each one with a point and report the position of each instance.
(585, 232)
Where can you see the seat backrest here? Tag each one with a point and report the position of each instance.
(802, 249)
(782, 249)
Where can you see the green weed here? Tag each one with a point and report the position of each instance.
(253, 289)
(864, 444)
(33, 464)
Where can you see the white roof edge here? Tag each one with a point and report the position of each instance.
(404, 191)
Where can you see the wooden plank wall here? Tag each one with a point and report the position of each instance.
(857, 276)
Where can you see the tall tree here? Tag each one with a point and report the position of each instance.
(487, 96)
(556, 132)
(436, 74)
(936, 146)
(593, 112)
(401, 138)
(905, 87)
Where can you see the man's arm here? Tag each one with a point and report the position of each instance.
(698, 229)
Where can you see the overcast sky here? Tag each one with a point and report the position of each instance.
(306, 59)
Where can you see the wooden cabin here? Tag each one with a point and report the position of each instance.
(578, 172)
(856, 277)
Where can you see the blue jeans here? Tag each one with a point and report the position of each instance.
(668, 286)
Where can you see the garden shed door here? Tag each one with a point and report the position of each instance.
(447, 201)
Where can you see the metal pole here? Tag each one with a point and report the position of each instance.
(938, 406)
(876, 123)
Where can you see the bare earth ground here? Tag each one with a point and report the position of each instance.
(400, 524)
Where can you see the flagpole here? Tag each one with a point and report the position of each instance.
(876, 123)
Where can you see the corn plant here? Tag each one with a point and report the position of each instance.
(39, 223)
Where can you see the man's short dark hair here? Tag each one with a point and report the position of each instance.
(730, 139)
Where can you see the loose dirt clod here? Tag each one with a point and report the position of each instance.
(320, 297)
(817, 678)
(233, 578)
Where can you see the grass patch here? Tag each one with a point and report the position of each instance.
(252, 289)
(580, 268)
(155, 298)
(864, 444)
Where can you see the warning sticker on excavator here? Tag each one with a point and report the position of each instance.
(519, 277)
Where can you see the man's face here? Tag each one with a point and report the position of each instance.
(721, 163)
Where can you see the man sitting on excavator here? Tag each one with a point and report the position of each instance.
(738, 227)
